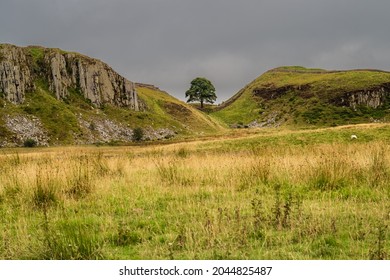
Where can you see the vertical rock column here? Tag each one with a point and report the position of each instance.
(15, 75)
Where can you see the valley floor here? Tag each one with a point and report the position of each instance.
(253, 194)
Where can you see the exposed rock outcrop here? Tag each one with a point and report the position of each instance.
(24, 128)
(100, 130)
(95, 79)
(271, 92)
(63, 71)
(15, 74)
(373, 98)
(368, 98)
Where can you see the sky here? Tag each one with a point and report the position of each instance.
(168, 43)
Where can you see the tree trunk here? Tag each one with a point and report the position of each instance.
(201, 103)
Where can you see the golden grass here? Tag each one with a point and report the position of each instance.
(196, 200)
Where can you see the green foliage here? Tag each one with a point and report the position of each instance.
(3, 131)
(30, 143)
(201, 90)
(138, 134)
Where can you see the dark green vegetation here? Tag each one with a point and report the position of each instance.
(201, 90)
(138, 134)
(30, 143)
(300, 97)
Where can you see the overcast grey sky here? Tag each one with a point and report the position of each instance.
(169, 42)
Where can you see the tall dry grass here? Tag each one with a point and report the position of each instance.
(193, 201)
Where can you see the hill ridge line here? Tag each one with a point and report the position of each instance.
(325, 71)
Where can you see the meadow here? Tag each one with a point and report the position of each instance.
(255, 194)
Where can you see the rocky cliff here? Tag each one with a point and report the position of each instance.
(15, 73)
(373, 97)
(99, 83)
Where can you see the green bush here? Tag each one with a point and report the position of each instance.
(30, 143)
(138, 134)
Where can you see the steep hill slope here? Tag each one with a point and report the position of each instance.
(304, 97)
(56, 97)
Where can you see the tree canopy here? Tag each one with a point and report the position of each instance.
(201, 90)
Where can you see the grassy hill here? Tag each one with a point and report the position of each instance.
(167, 110)
(297, 96)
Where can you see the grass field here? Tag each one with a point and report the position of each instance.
(254, 194)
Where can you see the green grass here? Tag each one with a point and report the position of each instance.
(242, 111)
(164, 109)
(308, 98)
(37, 53)
(56, 116)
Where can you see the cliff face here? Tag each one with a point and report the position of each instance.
(372, 98)
(20, 67)
(15, 74)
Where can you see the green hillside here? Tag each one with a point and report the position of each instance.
(61, 118)
(165, 110)
(297, 96)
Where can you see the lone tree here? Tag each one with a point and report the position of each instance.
(201, 90)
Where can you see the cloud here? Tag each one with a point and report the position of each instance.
(169, 42)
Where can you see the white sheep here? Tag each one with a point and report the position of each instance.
(353, 137)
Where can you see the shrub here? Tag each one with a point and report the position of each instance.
(138, 134)
(30, 143)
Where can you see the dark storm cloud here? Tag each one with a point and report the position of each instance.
(170, 42)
